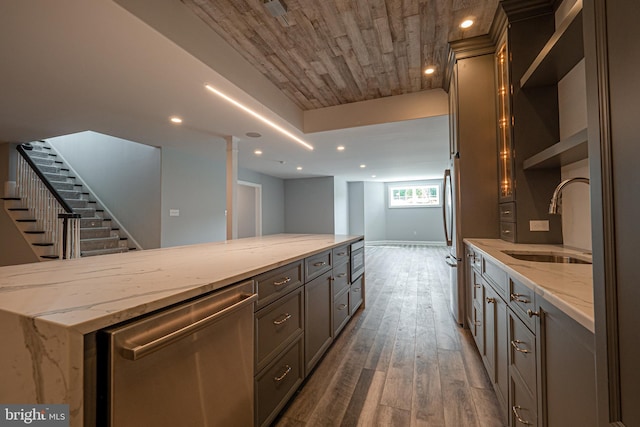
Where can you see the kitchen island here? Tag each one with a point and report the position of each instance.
(48, 309)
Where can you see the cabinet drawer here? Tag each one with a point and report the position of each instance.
(508, 212)
(277, 325)
(340, 278)
(277, 383)
(508, 231)
(317, 264)
(340, 312)
(340, 255)
(356, 292)
(496, 276)
(523, 410)
(522, 352)
(521, 299)
(275, 283)
(357, 263)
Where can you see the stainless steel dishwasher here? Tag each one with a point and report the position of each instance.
(190, 365)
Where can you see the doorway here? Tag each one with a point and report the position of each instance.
(249, 209)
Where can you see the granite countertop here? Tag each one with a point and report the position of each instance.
(569, 287)
(88, 294)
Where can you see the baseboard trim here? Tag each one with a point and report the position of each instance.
(402, 243)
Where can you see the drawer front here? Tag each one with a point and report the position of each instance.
(496, 277)
(277, 325)
(277, 383)
(522, 299)
(317, 264)
(523, 406)
(340, 255)
(508, 231)
(356, 292)
(357, 263)
(508, 212)
(522, 352)
(476, 262)
(357, 245)
(276, 283)
(340, 278)
(340, 312)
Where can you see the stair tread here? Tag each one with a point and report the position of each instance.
(94, 252)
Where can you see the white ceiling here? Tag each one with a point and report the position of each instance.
(75, 65)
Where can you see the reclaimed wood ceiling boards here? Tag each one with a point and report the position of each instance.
(332, 52)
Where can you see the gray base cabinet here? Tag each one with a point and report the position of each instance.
(301, 308)
(541, 362)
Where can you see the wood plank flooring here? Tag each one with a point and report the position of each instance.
(402, 361)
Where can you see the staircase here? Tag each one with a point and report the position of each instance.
(99, 234)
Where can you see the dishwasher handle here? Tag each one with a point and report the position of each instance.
(140, 351)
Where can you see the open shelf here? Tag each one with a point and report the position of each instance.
(567, 151)
(562, 52)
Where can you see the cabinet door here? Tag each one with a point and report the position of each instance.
(567, 378)
(318, 311)
(496, 339)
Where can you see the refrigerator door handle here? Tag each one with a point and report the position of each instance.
(451, 261)
(447, 179)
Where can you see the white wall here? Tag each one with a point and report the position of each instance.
(340, 206)
(576, 207)
(124, 175)
(272, 199)
(309, 205)
(414, 224)
(14, 249)
(195, 183)
(247, 211)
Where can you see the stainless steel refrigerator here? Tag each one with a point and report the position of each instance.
(455, 255)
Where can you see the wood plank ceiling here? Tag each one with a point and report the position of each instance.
(331, 52)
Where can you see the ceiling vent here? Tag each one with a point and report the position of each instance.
(277, 9)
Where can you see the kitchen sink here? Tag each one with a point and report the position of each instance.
(546, 257)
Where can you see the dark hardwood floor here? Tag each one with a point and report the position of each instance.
(402, 361)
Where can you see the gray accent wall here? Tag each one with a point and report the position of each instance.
(309, 205)
(272, 199)
(194, 182)
(124, 175)
(356, 208)
(413, 224)
(375, 218)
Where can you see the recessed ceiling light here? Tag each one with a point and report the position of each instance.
(253, 134)
(373, 176)
(363, 166)
(258, 116)
(466, 23)
(299, 168)
(429, 70)
(176, 120)
(257, 152)
(340, 148)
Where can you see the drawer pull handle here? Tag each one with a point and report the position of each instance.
(341, 253)
(506, 231)
(532, 313)
(356, 290)
(477, 323)
(471, 256)
(342, 306)
(286, 316)
(491, 300)
(521, 420)
(506, 212)
(342, 275)
(518, 298)
(287, 369)
(515, 343)
(477, 286)
(282, 282)
(319, 264)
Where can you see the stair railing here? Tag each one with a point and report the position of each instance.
(52, 213)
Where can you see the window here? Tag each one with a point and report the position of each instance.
(414, 196)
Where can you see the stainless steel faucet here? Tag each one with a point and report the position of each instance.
(553, 206)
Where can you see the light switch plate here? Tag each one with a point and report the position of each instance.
(539, 225)
(174, 212)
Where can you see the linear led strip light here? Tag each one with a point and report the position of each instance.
(259, 117)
